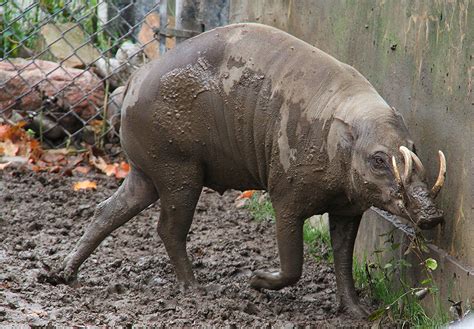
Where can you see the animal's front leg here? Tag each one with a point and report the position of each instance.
(290, 248)
(343, 235)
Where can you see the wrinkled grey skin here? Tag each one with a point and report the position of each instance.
(250, 107)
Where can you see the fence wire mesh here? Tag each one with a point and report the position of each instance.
(64, 64)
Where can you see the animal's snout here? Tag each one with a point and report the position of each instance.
(434, 218)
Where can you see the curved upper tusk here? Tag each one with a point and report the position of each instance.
(408, 163)
(418, 164)
(441, 176)
(395, 171)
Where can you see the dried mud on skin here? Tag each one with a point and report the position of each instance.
(129, 280)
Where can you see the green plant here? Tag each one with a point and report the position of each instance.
(386, 283)
(318, 240)
(260, 207)
(20, 24)
(17, 26)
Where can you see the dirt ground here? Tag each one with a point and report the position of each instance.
(129, 280)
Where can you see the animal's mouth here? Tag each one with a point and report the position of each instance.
(419, 205)
(430, 223)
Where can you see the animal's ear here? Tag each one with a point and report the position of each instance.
(398, 115)
(340, 135)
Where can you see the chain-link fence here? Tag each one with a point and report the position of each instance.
(64, 63)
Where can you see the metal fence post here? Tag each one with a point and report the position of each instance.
(187, 12)
(163, 24)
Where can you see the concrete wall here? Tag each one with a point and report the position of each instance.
(418, 55)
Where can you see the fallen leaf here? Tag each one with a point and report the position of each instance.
(121, 171)
(9, 148)
(246, 194)
(4, 165)
(35, 168)
(99, 163)
(85, 185)
(3, 131)
(35, 149)
(84, 170)
(97, 126)
(14, 133)
(73, 161)
(54, 169)
(52, 157)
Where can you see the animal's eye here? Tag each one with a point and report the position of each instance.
(378, 161)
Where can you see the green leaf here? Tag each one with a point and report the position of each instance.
(388, 265)
(431, 264)
(426, 281)
(395, 246)
(378, 313)
(404, 263)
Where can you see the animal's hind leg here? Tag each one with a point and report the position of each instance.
(178, 201)
(135, 194)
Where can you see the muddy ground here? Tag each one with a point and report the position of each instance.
(129, 280)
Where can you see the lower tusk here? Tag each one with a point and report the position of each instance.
(441, 176)
(396, 172)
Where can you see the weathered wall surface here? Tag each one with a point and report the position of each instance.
(418, 55)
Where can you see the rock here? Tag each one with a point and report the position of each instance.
(18, 74)
(111, 69)
(64, 40)
(117, 70)
(146, 36)
(131, 53)
(320, 222)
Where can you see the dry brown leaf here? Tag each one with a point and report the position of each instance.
(121, 171)
(54, 169)
(99, 163)
(52, 157)
(246, 194)
(9, 149)
(85, 185)
(35, 149)
(74, 160)
(4, 131)
(84, 170)
(97, 126)
(4, 165)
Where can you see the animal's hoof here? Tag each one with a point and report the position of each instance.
(59, 276)
(265, 280)
(186, 287)
(353, 310)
